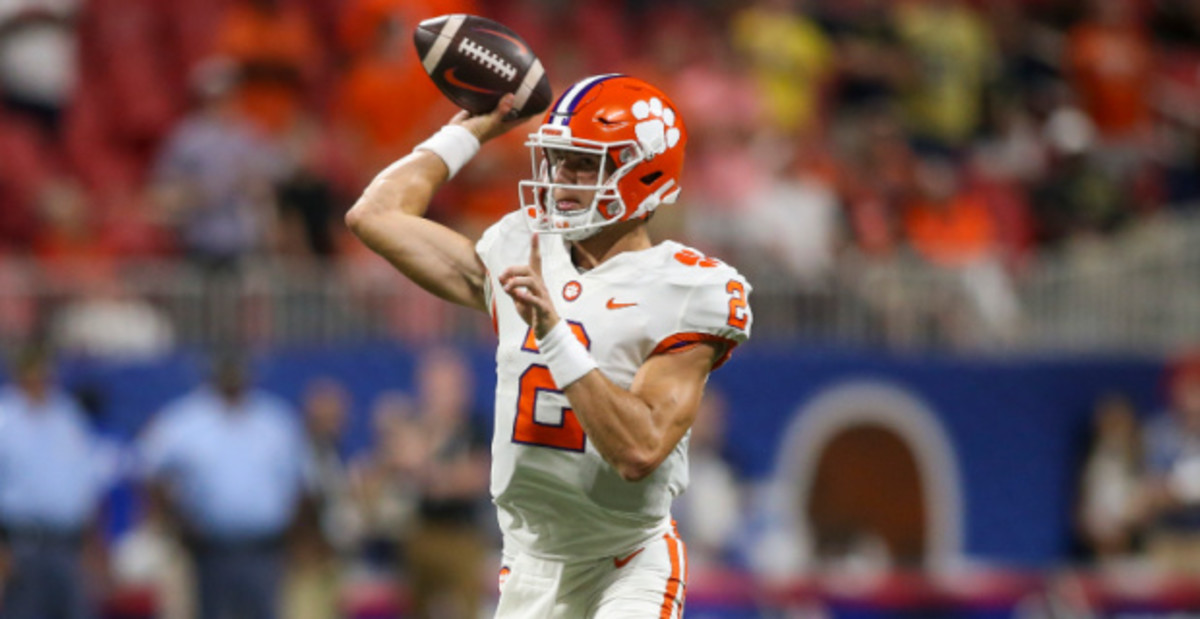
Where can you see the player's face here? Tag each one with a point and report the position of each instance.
(574, 168)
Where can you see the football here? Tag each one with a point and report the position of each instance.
(475, 61)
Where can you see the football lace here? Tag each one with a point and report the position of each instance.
(487, 58)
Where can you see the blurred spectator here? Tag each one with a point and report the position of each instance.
(1111, 67)
(52, 479)
(105, 319)
(384, 101)
(228, 466)
(953, 228)
(790, 58)
(725, 164)
(387, 498)
(1015, 151)
(362, 20)
(1171, 492)
(384, 104)
(1029, 64)
(947, 225)
(1108, 493)
(39, 73)
(278, 60)
(867, 42)
(1109, 62)
(709, 514)
(447, 547)
(67, 232)
(215, 177)
(1076, 198)
(327, 535)
(326, 410)
(878, 178)
(795, 221)
(1181, 165)
(952, 59)
(309, 196)
(39, 64)
(149, 558)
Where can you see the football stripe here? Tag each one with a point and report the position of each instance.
(570, 98)
(532, 77)
(438, 50)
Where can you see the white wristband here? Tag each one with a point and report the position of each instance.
(455, 144)
(566, 357)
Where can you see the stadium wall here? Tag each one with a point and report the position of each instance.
(999, 440)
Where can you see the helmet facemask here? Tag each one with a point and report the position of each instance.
(549, 148)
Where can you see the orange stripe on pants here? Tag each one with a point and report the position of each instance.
(668, 606)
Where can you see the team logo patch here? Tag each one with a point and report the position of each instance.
(572, 290)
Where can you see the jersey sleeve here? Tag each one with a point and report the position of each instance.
(500, 246)
(502, 243)
(486, 244)
(716, 310)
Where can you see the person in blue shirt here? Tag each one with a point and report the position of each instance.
(1170, 495)
(229, 469)
(53, 475)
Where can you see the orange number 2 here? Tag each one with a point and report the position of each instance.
(738, 311)
(561, 433)
(565, 434)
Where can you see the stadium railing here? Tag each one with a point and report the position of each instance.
(1135, 292)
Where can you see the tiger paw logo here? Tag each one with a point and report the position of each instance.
(656, 130)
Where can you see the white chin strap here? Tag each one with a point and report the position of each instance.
(579, 234)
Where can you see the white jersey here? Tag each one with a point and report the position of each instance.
(556, 496)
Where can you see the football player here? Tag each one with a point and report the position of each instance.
(606, 340)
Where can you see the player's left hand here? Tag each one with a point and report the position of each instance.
(525, 285)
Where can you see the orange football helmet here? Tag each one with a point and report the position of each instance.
(639, 138)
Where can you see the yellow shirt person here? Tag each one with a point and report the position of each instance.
(953, 57)
(790, 58)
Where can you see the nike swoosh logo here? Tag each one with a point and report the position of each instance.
(612, 304)
(449, 75)
(620, 563)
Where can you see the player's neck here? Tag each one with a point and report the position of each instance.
(593, 251)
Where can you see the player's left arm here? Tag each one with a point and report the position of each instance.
(634, 429)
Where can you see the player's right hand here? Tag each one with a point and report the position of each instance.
(492, 124)
(524, 283)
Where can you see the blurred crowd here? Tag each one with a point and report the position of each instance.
(241, 504)
(1139, 498)
(963, 135)
(247, 506)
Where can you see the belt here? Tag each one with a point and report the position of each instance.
(42, 535)
(259, 544)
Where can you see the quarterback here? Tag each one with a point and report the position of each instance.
(606, 340)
